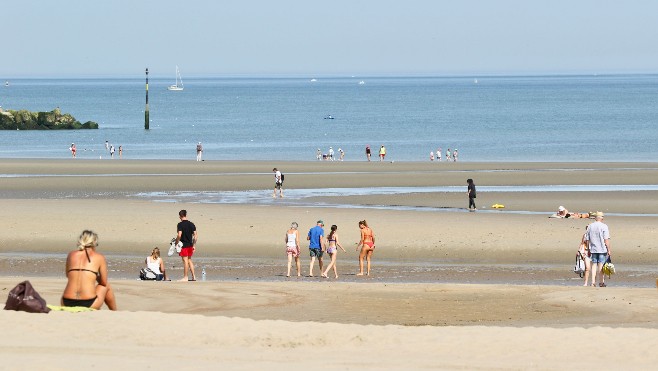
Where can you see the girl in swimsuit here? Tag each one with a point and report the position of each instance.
(86, 271)
(367, 245)
(332, 250)
(292, 248)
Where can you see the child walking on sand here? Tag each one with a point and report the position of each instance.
(332, 250)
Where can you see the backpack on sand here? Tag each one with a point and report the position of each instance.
(146, 274)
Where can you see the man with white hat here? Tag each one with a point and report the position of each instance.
(598, 236)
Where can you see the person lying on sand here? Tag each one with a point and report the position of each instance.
(562, 212)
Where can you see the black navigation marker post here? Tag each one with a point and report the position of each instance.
(146, 111)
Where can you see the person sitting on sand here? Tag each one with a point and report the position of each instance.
(367, 244)
(155, 263)
(332, 250)
(86, 271)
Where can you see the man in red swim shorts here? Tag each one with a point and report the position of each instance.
(186, 233)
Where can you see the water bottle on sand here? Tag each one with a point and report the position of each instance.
(203, 274)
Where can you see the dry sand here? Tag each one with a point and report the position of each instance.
(449, 290)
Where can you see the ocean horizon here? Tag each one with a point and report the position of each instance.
(561, 118)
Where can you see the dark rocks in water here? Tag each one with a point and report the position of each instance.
(53, 120)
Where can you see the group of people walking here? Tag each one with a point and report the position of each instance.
(450, 155)
(108, 147)
(330, 155)
(319, 244)
(382, 153)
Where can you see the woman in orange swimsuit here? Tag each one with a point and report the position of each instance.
(367, 245)
(86, 271)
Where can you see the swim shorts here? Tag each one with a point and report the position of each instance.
(187, 251)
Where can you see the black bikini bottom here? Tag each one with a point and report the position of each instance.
(78, 302)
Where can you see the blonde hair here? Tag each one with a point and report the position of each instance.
(155, 252)
(87, 239)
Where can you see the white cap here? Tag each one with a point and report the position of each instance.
(561, 208)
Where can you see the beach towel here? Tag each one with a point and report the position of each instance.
(60, 308)
(25, 298)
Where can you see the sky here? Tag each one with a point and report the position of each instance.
(71, 38)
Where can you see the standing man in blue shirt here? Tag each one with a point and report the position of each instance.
(316, 245)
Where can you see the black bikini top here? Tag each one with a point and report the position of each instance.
(84, 269)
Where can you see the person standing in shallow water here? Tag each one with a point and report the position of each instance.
(278, 183)
(472, 194)
(199, 151)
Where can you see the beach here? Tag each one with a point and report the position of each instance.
(449, 288)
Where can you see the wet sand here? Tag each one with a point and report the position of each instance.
(508, 273)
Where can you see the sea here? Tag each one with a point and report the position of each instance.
(573, 118)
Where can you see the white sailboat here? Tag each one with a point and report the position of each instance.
(179, 82)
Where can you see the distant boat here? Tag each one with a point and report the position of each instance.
(313, 80)
(329, 117)
(6, 83)
(176, 86)
(362, 82)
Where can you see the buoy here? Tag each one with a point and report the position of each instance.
(498, 206)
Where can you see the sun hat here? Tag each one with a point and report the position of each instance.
(599, 213)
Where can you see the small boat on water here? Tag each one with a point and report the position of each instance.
(362, 82)
(6, 83)
(329, 117)
(179, 79)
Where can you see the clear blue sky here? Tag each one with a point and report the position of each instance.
(334, 37)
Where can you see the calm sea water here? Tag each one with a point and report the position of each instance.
(568, 118)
